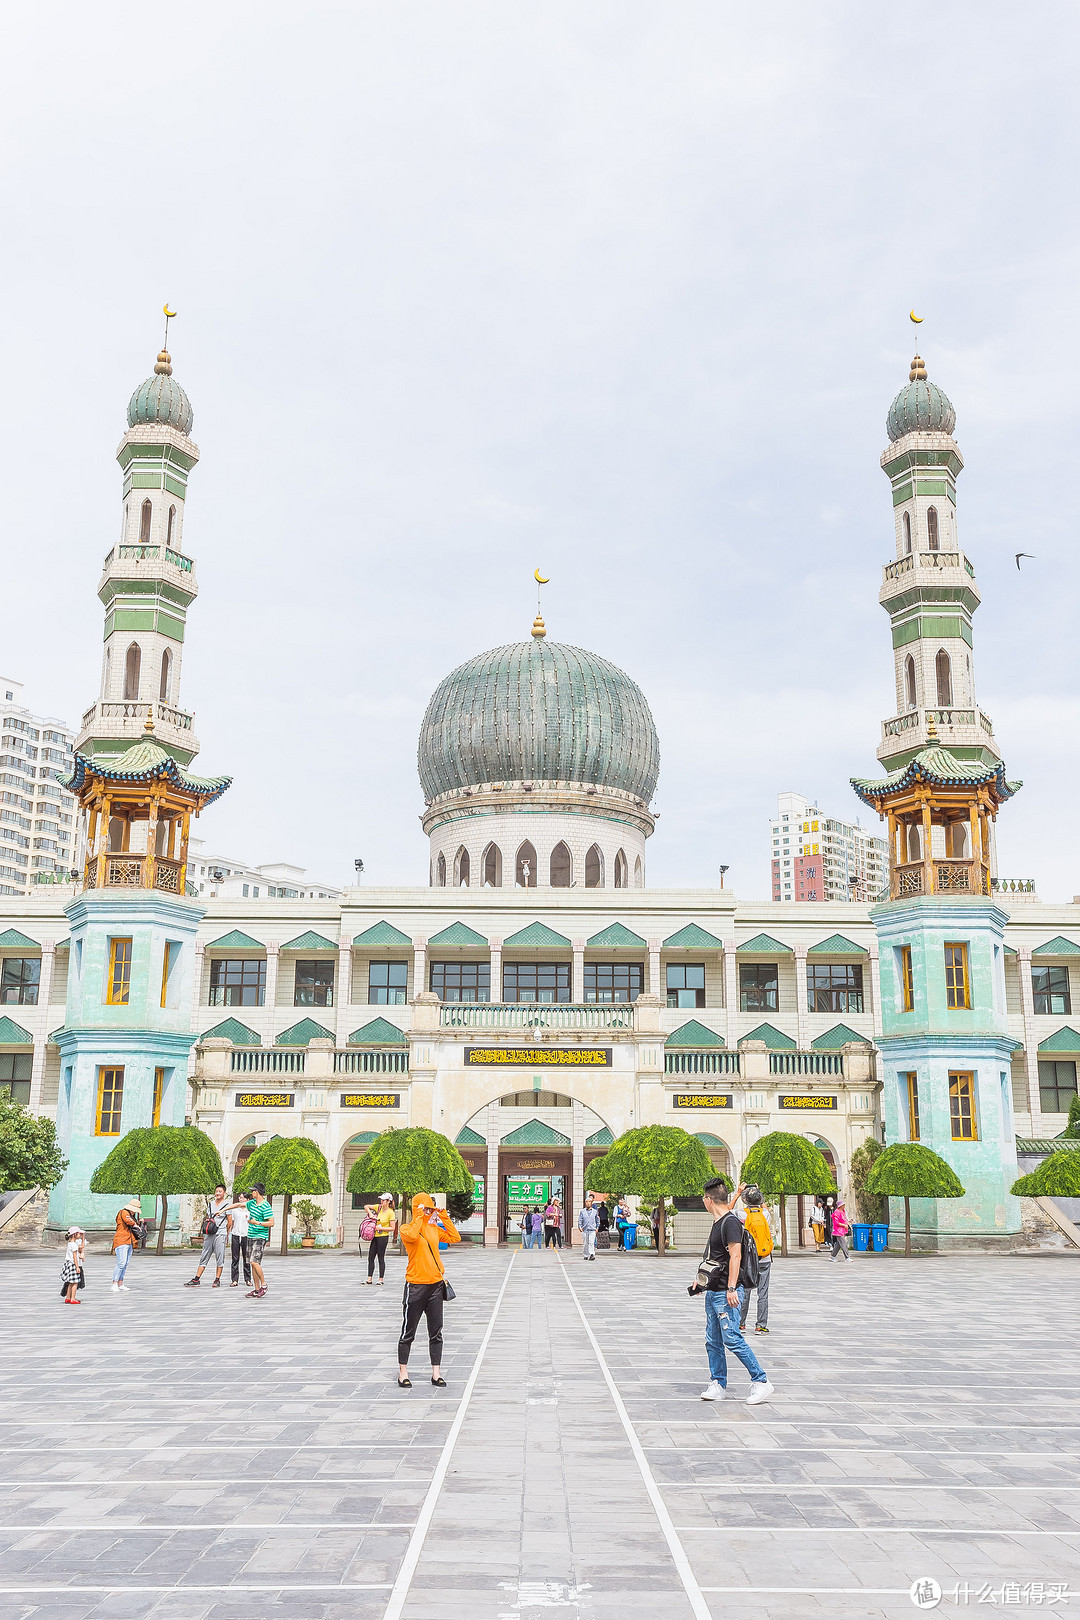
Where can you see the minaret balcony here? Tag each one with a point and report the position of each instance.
(939, 877)
(930, 575)
(173, 728)
(123, 871)
(969, 731)
(155, 562)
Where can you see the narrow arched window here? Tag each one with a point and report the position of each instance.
(166, 676)
(620, 870)
(914, 842)
(117, 828)
(594, 868)
(492, 867)
(907, 533)
(440, 872)
(932, 529)
(943, 666)
(525, 867)
(144, 529)
(172, 526)
(909, 682)
(461, 868)
(958, 840)
(639, 873)
(561, 867)
(132, 667)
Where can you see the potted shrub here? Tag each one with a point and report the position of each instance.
(310, 1215)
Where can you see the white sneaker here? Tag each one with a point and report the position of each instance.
(759, 1392)
(124, 1289)
(115, 1289)
(715, 1392)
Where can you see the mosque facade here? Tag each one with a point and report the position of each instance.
(535, 997)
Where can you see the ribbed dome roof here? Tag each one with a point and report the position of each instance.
(538, 711)
(922, 407)
(161, 399)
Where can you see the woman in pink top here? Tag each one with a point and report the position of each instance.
(840, 1230)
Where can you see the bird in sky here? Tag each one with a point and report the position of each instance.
(1020, 554)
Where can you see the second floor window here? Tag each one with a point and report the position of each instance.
(387, 984)
(19, 979)
(536, 981)
(962, 1107)
(907, 978)
(832, 987)
(1051, 987)
(118, 987)
(612, 981)
(461, 981)
(758, 986)
(110, 1101)
(1057, 1086)
(314, 984)
(956, 977)
(912, 1105)
(237, 983)
(686, 984)
(16, 1070)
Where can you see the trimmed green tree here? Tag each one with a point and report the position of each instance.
(1057, 1177)
(909, 1170)
(156, 1160)
(287, 1166)
(654, 1161)
(409, 1159)
(783, 1163)
(863, 1159)
(1072, 1129)
(29, 1153)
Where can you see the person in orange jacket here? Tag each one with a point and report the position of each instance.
(425, 1284)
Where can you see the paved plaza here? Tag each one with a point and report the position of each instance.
(199, 1456)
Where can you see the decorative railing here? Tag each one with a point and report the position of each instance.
(701, 1062)
(947, 718)
(1012, 885)
(907, 880)
(271, 1060)
(806, 1063)
(951, 717)
(178, 560)
(903, 722)
(948, 877)
(129, 872)
(986, 723)
(129, 710)
(942, 559)
(904, 566)
(138, 554)
(530, 1015)
(373, 1062)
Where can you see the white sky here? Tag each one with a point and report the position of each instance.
(618, 289)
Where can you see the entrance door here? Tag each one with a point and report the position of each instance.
(520, 1175)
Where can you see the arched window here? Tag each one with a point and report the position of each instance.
(525, 867)
(172, 526)
(943, 665)
(561, 867)
(932, 529)
(914, 842)
(132, 667)
(909, 682)
(907, 532)
(638, 873)
(594, 868)
(440, 872)
(117, 827)
(492, 867)
(958, 840)
(144, 529)
(166, 676)
(620, 870)
(461, 868)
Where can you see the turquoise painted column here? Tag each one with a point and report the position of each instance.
(952, 1053)
(139, 1036)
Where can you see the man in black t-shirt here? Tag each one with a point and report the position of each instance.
(724, 1297)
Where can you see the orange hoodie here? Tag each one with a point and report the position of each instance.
(421, 1240)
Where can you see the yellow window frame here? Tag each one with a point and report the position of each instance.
(110, 1100)
(913, 1105)
(957, 976)
(907, 978)
(159, 1087)
(119, 984)
(965, 1126)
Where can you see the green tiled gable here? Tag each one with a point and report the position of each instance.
(232, 1030)
(600, 1138)
(12, 1034)
(693, 938)
(833, 1039)
(774, 1040)
(1009, 951)
(693, 1034)
(763, 945)
(236, 941)
(535, 1134)
(309, 942)
(382, 933)
(380, 1032)
(12, 940)
(537, 933)
(1048, 1144)
(1053, 947)
(707, 1139)
(614, 938)
(836, 945)
(468, 1138)
(1066, 1040)
(457, 934)
(364, 1139)
(62, 945)
(306, 1030)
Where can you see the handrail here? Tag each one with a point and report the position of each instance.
(534, 1015)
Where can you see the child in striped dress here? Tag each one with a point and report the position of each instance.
(74, 1255)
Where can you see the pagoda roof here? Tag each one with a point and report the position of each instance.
(941, 768)
(145, 761)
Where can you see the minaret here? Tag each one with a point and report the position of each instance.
(148, 580)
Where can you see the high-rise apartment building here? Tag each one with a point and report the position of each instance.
(37, 816)
(817, 857)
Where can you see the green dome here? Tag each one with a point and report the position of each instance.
(161, 399)
(920, 407)
(538, 711)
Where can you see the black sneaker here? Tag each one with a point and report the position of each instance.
(196, 1282)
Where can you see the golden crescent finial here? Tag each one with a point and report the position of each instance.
(918, 319)
(170, 314)
(539, 577)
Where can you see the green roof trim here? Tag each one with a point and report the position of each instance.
(306, 1030)
(12, 940)
(763, 945)
(707, 1139)
(774, 1040)
(693, 938)
(1066, 1040)
(380, 1032)
(1053, 947)
(535, 1134)
(236, 941)
(537, 933)
(833, 1039)
(1009, 951)
(457, 934)
(837, 945)
(600, 1138)
(53, 1037)
(364, 1139)
(62, 944)
(232, 1030)
(12, 1034)
(616, 937)
(382, 933)
(1047, 1144)
(309, 942)
(693, 1034)
(467, 1137)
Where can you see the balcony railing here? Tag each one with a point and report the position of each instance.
(272, 1060)
(138, 554)
(701, 1062)
(927, 559)
(394, 1061)
(132, 711)
(1012, 885)
(806, 1063)
(530, 1015)
(129, 872)
(947, 719)
(948, 877)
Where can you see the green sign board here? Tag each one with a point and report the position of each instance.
(528, 1192)
(478, 1191)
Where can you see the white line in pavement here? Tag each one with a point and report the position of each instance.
(853, 1530)
(155, 1449)
(178, 1529)
(400, 1591)
(675, 1547)
(860, 1451)
(173, 1480)
(854, 1485)
(222, 1588)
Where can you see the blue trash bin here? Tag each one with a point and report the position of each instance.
(881, 1237)
(860, 1233)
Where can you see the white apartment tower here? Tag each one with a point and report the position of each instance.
(817, 857)
(37, 816)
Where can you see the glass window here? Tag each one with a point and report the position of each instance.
(758, 986)
(314, 984)
(907, 978)
(19, 980)
(962, 1107)
(110, 1101)
(956, 977)
(538, 1099)
(388, 983)
(686, 984)
(613, 981)
(1050, 984)
(119, 985)
(536, 981)
(159, 1087)
(461, 981)
(913, 1106)
(1057, 1086)
(832, 987)
(238, 983)
(15, 1072)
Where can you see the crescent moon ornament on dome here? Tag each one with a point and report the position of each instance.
(170, 314)
(918, 319)
(539, 577)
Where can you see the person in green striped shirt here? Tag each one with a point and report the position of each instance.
(260, 1219)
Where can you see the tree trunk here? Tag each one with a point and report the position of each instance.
(907, 1226)
(161, 1223)
(661, 1235)
(783, 1224)
(286, 1200)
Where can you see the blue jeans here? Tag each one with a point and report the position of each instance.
(722, 1332)
(123, 1255)
(533, 1239)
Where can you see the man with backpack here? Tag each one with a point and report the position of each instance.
(728, 1265)
(760, 1229)
(214, 1229)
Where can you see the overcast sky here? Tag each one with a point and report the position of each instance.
(616, 289)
